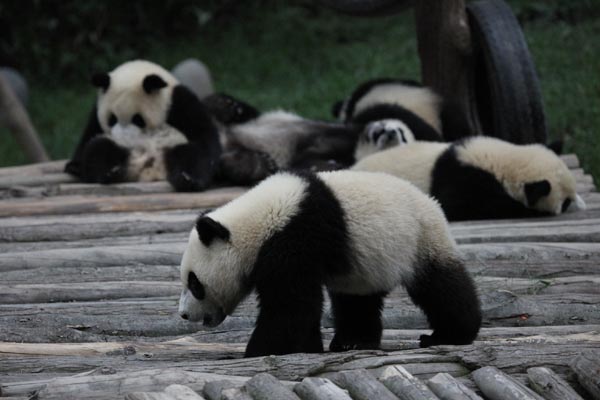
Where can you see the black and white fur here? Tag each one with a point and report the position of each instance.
(359, 234)
(145, 126)
(483, 177)
(395, 112)
(258, 144)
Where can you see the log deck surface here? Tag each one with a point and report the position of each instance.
(89, 288)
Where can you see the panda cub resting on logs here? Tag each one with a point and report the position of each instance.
(256, 145)
(146, 126)
(359, 234)
(395, 111)
(483, 177)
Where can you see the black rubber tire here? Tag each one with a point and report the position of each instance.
(368, 8)
(505, 84)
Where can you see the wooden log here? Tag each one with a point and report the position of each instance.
(547, 231)
(485, 334)
(61, 205)
(513, 356)
(44, 285)
(448, 388)
(264, 386)
(59, 188)
(362, 385)
(182, 392)
(157, 316)
(212, 390)
(87, 226)
(405, 386)
(42, 168)
(320, 389)
(496, 385)
(532, 260)
(235, 394)
(111, 386)
(549, 385)
(529, 260)
(587, 368)
(85, 291)
(15, 117)
(10, 181)
(108, 241)
(155, 254)
(148, 396)
(139, 273)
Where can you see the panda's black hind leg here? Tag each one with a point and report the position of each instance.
(447, 295)
(357, 321)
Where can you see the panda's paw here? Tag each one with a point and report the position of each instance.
(339, 345)
(431, 340)
(113, 174)
(183, 181)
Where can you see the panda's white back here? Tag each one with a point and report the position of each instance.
(420, 100)
(413, 162)
(391, 224)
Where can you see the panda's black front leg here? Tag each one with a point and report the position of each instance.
(357, 321)
(289, 320)
(104, 161)
(190, 167)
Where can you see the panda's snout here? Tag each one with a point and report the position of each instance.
(184, 315)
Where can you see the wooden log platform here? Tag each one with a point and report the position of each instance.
(89, 284)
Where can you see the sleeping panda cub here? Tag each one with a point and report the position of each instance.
(145, 126)
(395, 112)
(483, 177)
(358, 234)
(255, 144)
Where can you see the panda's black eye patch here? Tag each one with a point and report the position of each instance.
(566, 204)
(138, 120)
(112, 119)
(195, 286)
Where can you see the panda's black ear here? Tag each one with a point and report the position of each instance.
(152, 83)
(101, 80)
(556, 147)
(336, 109)
(536, 190)
(209, 229)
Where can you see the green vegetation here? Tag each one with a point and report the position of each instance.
(296, 56)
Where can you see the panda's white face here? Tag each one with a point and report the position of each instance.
(134, 97)
(531, 174)
(212, 287)
(381, 135)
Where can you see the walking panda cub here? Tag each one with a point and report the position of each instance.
(360, 234)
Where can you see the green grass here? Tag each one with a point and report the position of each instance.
(303, 58)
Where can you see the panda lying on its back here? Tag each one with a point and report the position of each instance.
(395, 111)
(360, 234)
(483, 177)
(146, 127)
(256, 144)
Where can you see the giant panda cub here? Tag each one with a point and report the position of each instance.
(255, 144)
(483, 177)
(359, 234)
(394, 111)
(146, 126)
